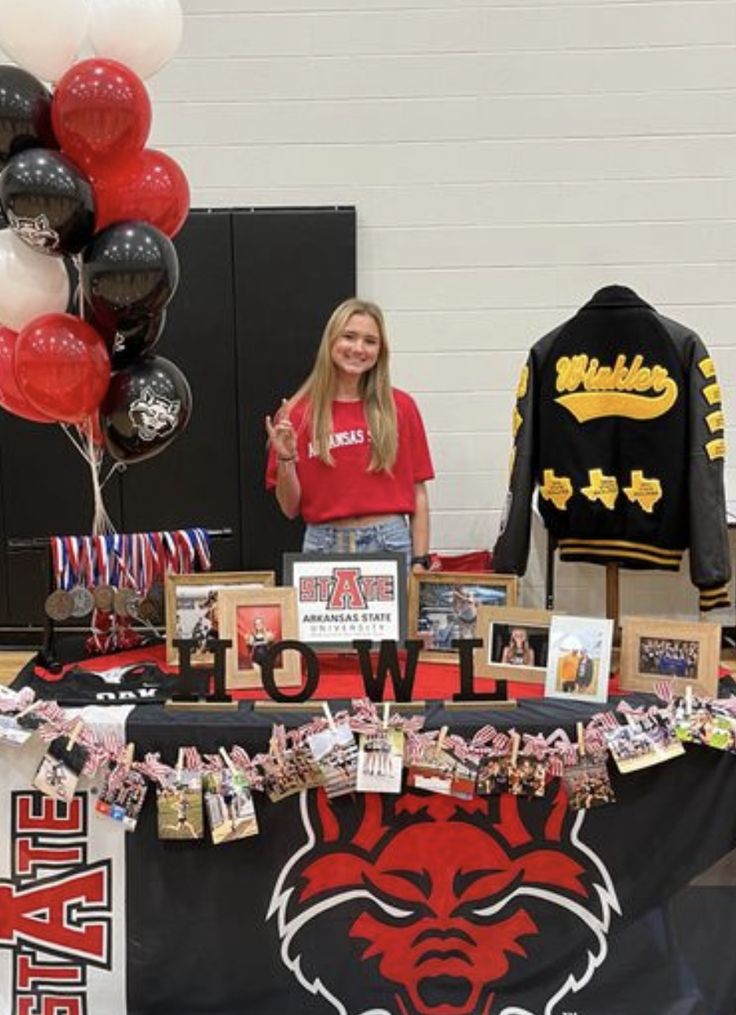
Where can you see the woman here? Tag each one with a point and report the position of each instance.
(258, 640)
(348, 452)
(518, 652)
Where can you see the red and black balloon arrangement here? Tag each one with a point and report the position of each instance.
(76, 181)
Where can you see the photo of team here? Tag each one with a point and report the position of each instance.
(670, 657)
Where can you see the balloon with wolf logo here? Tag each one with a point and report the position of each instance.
(48, 201)
(148, 403)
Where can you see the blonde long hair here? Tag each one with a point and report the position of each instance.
(375, 390)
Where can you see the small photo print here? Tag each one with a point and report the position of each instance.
(493, 776)
(449, 610)
(643, 743)
(258, 627)
(380, 761)
(527, 777)
(197, 618)
(180, 813)
(440, 770)
(121, 799)
(231, 813)
(518, 645)
(291, 771)
(690, 718)
(60, 768)
(669, 657)
(588, 784)
(336, 752)
(715, 729)
(579, 660)
(11, 732)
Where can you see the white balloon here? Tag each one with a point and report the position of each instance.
(43, 36)
(30, 283)
(142, 34)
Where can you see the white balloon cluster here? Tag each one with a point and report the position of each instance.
(33, 284)
(45, 36)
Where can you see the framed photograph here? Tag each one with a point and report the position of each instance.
(353, 595)
(653, 649)
(579, 658)
(444, 605)
(192, 611)
(254, 619)
(515, 643)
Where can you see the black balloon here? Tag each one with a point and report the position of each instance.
(147, 404)
(48, 202)
(128, 339)
(25, 113)
(129, 271)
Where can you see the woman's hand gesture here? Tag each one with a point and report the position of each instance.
(281, 434)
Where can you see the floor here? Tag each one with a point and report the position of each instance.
(11, 663)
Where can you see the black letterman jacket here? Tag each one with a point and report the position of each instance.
(618, 422)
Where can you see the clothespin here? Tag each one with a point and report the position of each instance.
(515, 741)
(128, 756)
(386, 710)
(581, 738)
(689, 700)
(227, 759)
(179, 764)
(328, 715)
(74, 735)
(441, 739)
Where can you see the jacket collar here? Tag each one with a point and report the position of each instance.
(615, 296)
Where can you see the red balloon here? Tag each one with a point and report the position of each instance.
(10, 394)
(148, 186)
(100, 109)
(62, 366)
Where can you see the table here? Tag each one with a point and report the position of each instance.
(409, 905)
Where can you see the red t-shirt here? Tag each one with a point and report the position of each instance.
(348, 488)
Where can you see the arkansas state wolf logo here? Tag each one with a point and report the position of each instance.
(425, 905)
(153, 415)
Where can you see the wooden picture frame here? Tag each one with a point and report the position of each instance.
(443, 605)
(189, 593)
(658, 649)
(526, 662)
(243, 613)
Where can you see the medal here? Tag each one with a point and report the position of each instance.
(103, 596)
(124, 600)
(82, 601)
(147, 610)
(58, 605)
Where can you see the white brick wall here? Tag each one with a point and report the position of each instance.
(506, 159)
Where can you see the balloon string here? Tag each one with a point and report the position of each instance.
(101, 523)
(78, 296)
(76, 442)
(115, 467)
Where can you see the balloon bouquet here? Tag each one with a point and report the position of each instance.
(77, 182)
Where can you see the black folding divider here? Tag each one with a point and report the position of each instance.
(292, 267)
(46, 489)
(255, 290)
(195, 480)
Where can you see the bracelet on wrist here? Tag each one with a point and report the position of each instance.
(281, 458)
(422, 558)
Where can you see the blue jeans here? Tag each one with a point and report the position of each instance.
(392, 534)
